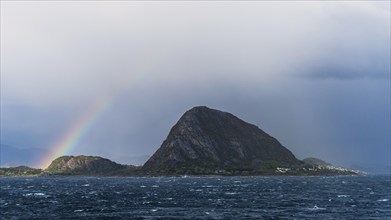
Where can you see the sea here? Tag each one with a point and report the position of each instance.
(258, 197)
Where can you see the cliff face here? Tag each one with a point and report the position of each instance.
(212, 138)
(83, 165)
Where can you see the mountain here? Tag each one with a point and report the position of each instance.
(206, 140)
(203, 142)
(84, 165)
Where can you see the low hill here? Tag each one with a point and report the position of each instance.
(84, 165)
(19, 171)
(316, 166)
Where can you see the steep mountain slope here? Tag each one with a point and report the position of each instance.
(208, 138)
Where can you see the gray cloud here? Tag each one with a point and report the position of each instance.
(349, 73)
(158, 59)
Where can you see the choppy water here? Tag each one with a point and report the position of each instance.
(365, 197)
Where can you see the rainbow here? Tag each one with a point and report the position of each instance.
(82, 125)
(74, 134)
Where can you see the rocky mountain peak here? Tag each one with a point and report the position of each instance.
(209, 137)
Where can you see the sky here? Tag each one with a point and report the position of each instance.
(111, 78)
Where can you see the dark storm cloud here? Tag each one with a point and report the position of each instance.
(313, 74)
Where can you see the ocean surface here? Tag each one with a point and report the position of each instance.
(349, 197)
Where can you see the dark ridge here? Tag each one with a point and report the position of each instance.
(207, 138)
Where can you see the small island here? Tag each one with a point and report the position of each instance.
(203, 142)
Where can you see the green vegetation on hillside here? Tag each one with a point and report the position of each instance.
(20, 171)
